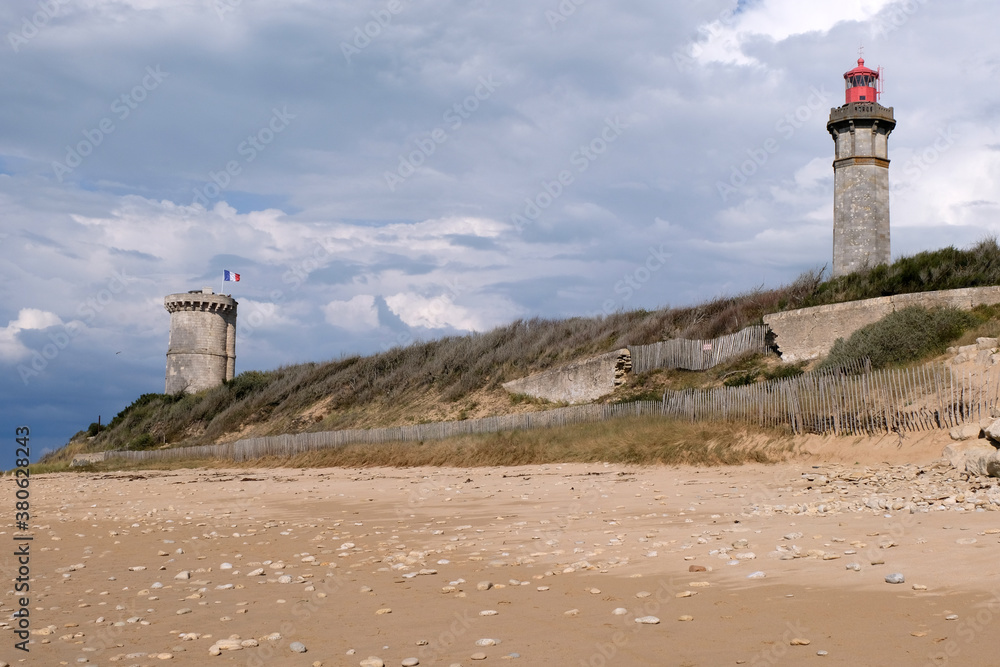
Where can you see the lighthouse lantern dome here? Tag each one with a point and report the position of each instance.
(862, 84)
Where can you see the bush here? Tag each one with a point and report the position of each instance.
(144, 441)
(247, 383)
(741, 379)
(785, 371)
(943, 269)
(905, 335)
(94, 429)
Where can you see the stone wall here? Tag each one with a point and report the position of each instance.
(84, 459)
(201, 352)
(809, 333)
(578, 382)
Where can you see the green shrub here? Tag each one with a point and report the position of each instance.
(94, 429)
(785, 371)
(943, 269)
(247, 383)
(906, 335)
(144, 441)
(741, 379)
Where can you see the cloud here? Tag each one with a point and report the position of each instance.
(11, 348)
(437, 312)
(356, 314)
(775, 20)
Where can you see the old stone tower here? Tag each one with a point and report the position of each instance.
(860, 131)
(202, 348)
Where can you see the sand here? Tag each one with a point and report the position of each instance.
(390, 564)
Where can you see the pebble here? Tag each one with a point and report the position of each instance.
(799, 641)
(951, 617)
(822, 653)
(647, 620)
(488, 612)
(620, 611)
(685, 618)
(853, 566)
(894, 578)
(297, 647)
(372, 661)
(484, 585)
(231, 644)
(410, 662)
(477, 656)
(919, 587)
(383, 612)
(486, 642)
(756, 575)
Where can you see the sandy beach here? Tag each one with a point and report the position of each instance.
(543, 565)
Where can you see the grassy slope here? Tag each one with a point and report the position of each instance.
(632, 440)
(460, 377)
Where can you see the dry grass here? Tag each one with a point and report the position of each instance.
(638, 441)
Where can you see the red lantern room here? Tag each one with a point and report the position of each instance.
(863, 84)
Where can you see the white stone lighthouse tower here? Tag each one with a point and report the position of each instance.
(202, 348)
(860, 131)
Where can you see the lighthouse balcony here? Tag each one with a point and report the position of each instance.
(856, 110)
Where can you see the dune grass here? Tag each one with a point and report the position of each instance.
(628, 440)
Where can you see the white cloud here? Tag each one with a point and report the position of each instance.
(356, 314)
(11, 348)
(776, 20)
(433, 313)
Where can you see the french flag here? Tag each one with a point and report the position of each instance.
(230, 276)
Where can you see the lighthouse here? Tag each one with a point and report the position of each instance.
(860, 130)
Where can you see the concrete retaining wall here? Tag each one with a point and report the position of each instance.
(809, 333)
(84, 459)
(578, 382)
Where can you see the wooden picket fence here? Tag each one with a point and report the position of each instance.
(291, 444)
(698, 355)
(853, 401)
(846, 401)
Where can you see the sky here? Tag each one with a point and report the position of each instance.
(381, 172)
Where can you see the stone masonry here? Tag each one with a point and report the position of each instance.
(202, 348)
(809, 333)
(860, 132)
